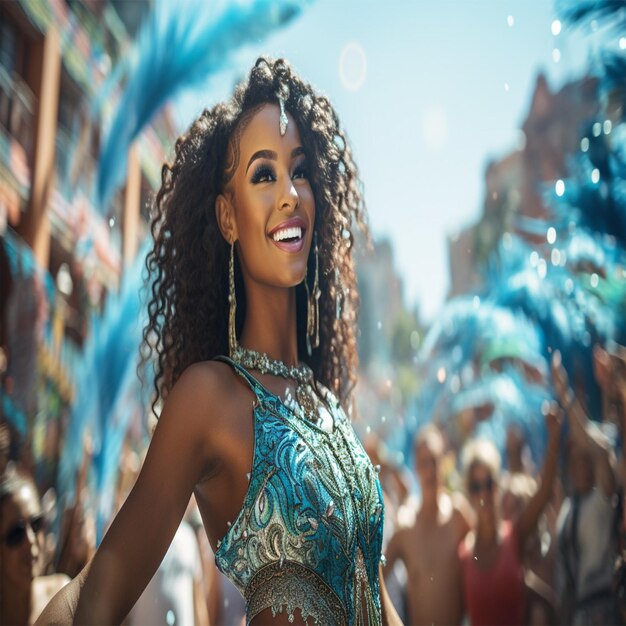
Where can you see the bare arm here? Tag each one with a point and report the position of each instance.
(393, 551)
(586, 432)
(142, 531)
(389, 613)
(463, 513)
(527, 521)
(201, 610)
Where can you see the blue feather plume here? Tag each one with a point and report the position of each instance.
(180, 45)
(109, 393)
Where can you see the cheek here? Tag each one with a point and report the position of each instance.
(307, 200)
(251, 232)
(252, 214)
(11, 558)
(305, 195)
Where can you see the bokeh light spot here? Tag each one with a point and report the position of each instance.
(352, 66)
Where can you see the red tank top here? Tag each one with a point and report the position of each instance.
(495, 596)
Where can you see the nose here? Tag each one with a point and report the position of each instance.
(31, 538)
(288, 200)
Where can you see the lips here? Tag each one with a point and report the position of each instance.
(289, 235)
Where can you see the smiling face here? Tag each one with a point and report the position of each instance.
(21, 536)
(482, 487)
(268, 206)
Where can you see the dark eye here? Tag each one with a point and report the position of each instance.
(36, 523)
(263, 174)
(300, 171)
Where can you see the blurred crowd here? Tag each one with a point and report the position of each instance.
(42, 548)
(484, 539)
(507, 507)
(498, 539)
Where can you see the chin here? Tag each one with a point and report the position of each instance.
(293, 276)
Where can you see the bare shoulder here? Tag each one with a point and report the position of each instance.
(205, 392)
(204, 379)
(49, 585)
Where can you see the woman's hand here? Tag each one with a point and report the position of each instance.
(583, 430)
(564, 393)
(609, 367)
(527, 521)
(554, 421)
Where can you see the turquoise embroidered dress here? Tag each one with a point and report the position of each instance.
(309, 534)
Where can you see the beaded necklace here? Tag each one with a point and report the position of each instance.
(308, 401)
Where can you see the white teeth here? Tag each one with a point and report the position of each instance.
(287, 233)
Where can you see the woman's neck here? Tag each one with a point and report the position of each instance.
(487, 532)
(430, 502)
(270, 323)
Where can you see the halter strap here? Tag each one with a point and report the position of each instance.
(258, 389)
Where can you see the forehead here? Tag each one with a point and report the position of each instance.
(21, 505)
(480, 470)
(262, 132)
(427, 451)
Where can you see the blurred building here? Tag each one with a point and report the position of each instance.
(64, 252)
(389, 337)
(380, 292)
(515, 184)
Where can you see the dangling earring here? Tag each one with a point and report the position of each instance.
(232, 302)
(313, 306)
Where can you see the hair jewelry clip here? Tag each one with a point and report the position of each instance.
(282, 94)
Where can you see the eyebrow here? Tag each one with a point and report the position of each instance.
(270, 154)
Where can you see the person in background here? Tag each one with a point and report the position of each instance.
(23, 592)
(586, 534)
(78, 526)
(610, 372)
(212, 584)
(492, 553)
(394, 483)
(429, 546)
(5, 446)
(6, 286)
(175, 594)
(540, 554)
(517, 452)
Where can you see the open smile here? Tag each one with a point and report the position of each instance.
(289, 235)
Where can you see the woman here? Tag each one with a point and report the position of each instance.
(23, 593)
(586, 525)
(492, 553)
(253, 258)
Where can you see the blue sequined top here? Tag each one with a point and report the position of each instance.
(309, 534)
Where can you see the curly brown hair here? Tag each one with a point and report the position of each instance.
(188, 265)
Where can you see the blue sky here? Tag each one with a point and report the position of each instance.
(428, 92)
